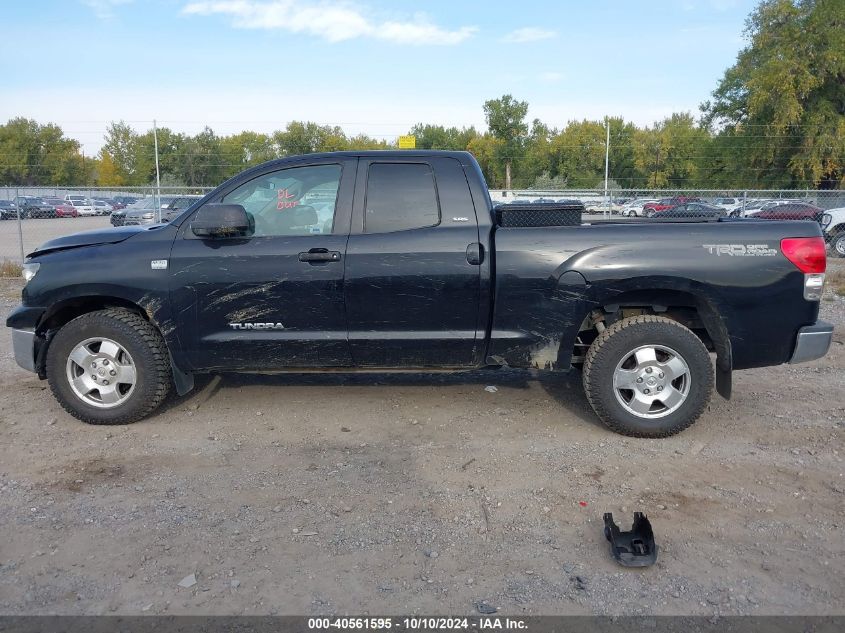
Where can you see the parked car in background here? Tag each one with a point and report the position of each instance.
(767, 205)
(64, 209)
(71, 197)
(34, 207)
(101, 207)
(602, 206)
(115, 204)
(691, 210)
(751, 207)
(84, 207)
(144, 211)
(126, 200)
(634, 208)
(8, 210)
(664, 203)
(176, 206)
(728, 204)
(792, 211)
(833, 226)
(118, 216)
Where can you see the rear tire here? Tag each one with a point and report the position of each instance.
(648, 376)
(109, 367)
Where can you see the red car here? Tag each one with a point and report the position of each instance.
(792, 211)
(666, 203)
(63, 209)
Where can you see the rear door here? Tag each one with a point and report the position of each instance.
(272, 300)
(412, 283)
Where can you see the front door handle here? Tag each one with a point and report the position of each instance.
(317, 255)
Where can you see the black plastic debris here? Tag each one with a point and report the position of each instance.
(635, 548)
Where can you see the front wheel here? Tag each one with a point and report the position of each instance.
(108, 367)
(648, 376)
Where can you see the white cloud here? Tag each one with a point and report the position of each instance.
(529, 34)
(332, 20)
(104, 9)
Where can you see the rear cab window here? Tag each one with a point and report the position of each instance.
(400, 197)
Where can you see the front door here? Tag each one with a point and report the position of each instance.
(273, 299)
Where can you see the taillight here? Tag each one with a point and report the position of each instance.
(807, 253)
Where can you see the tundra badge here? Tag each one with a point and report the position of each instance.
(256, 326)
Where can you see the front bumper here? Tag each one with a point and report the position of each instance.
(812, 342)
(23, 344)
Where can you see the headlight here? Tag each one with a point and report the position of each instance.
(29, 270)
(826, 219)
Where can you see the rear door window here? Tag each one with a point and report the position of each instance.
(400, 196)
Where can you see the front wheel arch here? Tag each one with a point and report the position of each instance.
(64, 312)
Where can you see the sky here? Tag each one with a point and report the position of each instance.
(372, 66)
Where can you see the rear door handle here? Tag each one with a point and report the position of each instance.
(475, 254)
(316, 255)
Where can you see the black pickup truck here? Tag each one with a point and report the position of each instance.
(399, 261)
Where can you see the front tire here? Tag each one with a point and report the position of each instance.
(108, 367)
(837, 244)
(648, 376)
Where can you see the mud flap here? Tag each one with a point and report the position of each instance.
(182, 380)
(635, 548)
(724, 381)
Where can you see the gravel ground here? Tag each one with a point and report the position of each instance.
(324, 494)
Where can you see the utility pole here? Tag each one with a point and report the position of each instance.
(606, 163)
(158, 176)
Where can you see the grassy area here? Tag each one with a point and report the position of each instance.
(835, 280)
(9, 268)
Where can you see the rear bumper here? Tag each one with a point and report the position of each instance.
(812, 342)
(23, 345)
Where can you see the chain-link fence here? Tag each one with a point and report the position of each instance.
(33, 215)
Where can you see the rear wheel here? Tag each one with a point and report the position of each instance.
(648, 376)
(108, 367)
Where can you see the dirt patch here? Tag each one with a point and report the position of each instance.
(320, 494)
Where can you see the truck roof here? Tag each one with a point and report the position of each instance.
(382, 153)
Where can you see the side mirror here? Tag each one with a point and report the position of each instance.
(221, 220)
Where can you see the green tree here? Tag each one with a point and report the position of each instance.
(578, 153)
(506, 120)
(245, 149)
(781, 106)
(440, 137)
(32, 153)
(669, 154)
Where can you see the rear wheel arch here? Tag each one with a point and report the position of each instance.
(693, 310)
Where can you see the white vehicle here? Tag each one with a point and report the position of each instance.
(753, 207)
(731, 205)
(83, 207)
(102, 207)
(603, 207)
(634, 208)
(833, 225)
(71, 197)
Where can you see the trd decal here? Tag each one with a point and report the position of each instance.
(741, 250)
